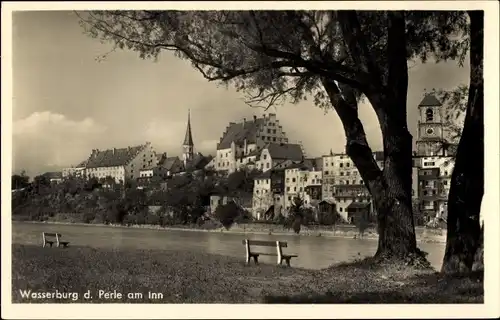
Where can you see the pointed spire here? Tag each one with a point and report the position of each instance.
(188, 139)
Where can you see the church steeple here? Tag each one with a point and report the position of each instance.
(188, 138)
(188, 145)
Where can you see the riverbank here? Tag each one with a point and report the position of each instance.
(340, 231)
(187, 277)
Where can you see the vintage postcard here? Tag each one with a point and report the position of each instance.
(250, 159)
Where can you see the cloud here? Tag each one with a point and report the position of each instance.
(52, 140)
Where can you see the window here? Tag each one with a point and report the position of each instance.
(300, 189)
(445, 182)
(274, 138)
(288, 189)
(274, 130)
(326, 172)
(287, 179)
(267, 165)
(425, 192)
(341, 165)
(294, 189)
(348, 164)
(342, 173)
(268, 130)
(429, 115)
(265, 156)
(340, 209)
(293, 179)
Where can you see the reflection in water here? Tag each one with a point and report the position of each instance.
(313, 252)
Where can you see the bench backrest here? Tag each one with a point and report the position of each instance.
(261, 243)
(48, 234)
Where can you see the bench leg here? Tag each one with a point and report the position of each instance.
(256, 259)
(287, 261)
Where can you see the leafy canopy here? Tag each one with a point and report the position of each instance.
(275, 56)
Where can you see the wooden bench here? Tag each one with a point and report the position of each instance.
(258, 243)
(46, 235)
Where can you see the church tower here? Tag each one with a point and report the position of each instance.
(430, 127)
(188, 145)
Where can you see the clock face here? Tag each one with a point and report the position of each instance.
(430, 131)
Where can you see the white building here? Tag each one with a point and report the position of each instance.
(121, 164)
(303, 182)
(342, 182)
(241, 142)
(279, 155)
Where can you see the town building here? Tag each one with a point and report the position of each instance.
(242, 201)
(343, 185)
(279, 155)
(77, 171)
(242, 142)
(304, 182)
(121, 164)
(430, 127)
(433, 160)
(268, 194)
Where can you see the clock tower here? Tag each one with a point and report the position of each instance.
(430, 126)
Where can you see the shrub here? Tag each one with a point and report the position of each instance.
(296, 224)
(140, 219)
(88, 217)
(129, 220)
(279, 219)
(227, 214)
(152, 219)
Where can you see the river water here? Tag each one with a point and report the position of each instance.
(313, 252)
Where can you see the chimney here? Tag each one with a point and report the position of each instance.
(114, 151)
(244, 120)
(254, 118)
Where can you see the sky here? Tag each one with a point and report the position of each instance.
(66, 102)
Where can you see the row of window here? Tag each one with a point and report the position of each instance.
(341, 164)
(274, 139)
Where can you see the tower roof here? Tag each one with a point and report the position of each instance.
(430, 101)
(188, 138)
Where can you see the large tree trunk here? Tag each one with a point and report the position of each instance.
(467, 181)
(391, 187)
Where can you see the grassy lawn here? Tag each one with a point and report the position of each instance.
(185, 277)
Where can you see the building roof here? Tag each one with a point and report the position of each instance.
(199, 161)
(313, 163)
(188, 138)
(238, 132)
(169, 162)
(358, 205)
(285, 151)
(430, 101)
(113, 157)
(82, 164)
(160, 157)
(329, 201)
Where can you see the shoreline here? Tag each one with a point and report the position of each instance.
(237, 229)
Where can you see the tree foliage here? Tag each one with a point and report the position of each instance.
(20, 181)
